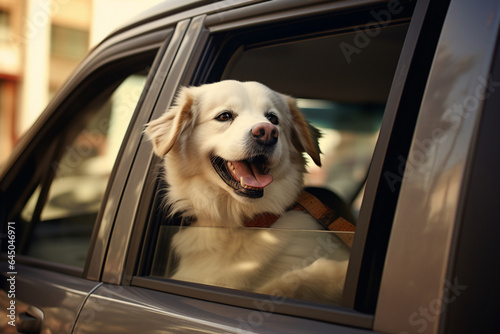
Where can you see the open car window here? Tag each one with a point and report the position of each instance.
(344, 95)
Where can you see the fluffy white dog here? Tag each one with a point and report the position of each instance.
(233, 156)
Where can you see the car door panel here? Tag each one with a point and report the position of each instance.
(148, 311)
(430, 201)
(59, 296)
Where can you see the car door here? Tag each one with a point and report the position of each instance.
(63, 179)
(440, 271)
(368, 59)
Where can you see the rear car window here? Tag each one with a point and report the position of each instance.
(73, 163)
(342, 94)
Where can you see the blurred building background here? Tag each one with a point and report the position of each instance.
(41, 42)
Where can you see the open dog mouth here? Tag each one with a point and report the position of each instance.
(247, 177)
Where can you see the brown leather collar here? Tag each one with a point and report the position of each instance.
(263, 220)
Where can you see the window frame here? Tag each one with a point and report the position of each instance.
(355, 311)
(359, 252)
(109, 268)
(191, 73)
(393, 145)
(71, 122)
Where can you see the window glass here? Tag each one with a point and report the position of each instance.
(86, 164)
(344, 96)
(324, 263)
(59, 224)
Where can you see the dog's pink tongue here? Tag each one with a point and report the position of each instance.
(251, 173)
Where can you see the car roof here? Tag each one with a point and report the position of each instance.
(172, 7)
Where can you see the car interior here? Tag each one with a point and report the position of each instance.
(344, 100)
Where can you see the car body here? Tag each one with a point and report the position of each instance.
(418, 80)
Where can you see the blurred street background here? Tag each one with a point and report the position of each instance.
(41, 43)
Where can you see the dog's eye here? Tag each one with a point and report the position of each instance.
(272, 118)
(225, 116)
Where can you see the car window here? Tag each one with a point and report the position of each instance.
(58, 219)
(341, 92)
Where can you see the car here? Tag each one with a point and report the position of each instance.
(406, 94)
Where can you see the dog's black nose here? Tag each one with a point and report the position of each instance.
(265, 134)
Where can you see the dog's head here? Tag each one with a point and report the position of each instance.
(240, 135)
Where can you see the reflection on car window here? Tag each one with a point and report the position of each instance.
(287, 274)
(63, 229)
(84, 169)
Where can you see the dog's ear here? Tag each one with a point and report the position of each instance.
(304, 135)
(165, 130)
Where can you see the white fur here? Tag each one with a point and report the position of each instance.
(215, 249)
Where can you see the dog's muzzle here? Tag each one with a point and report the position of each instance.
(247, 177)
